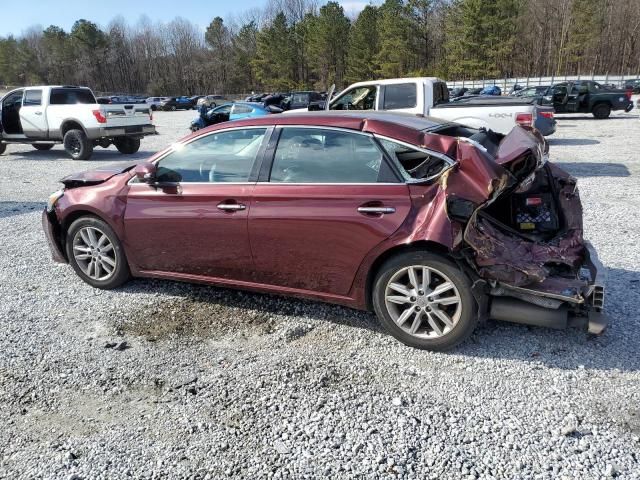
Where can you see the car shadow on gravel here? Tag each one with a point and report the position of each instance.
(572, 141)
(595, 169)
(203, 311)
(10, 209)
(200, 311)
(573, 348)
(100, 155)
(591, 117)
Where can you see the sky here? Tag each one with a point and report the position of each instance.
(64, 14)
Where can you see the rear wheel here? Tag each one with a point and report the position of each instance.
(601, 111)
(425, 301)
(77, 145)
(3, 147)
(43, 147)
(96, 254)
(127, 145)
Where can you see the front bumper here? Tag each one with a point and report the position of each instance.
(53, 234)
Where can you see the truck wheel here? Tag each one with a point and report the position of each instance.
(601, 111)
(43, 147)
(127, 145)
(3, 147)
(425, 301)
(77, 145)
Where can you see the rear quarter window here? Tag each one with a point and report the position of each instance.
(402, 95)
(71, 96)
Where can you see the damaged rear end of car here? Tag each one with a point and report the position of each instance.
(513, 222)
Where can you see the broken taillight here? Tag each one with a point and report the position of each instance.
(99, 116)
(546, 114)
(524, 119)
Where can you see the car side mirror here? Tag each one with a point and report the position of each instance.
(146, 172)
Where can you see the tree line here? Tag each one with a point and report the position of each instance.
(301, 44)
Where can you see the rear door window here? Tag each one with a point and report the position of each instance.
(402, 95)
(71, 96)
(32, 98)
(315, 155)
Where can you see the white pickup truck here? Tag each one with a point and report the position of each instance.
(46, 115)
(430, 96)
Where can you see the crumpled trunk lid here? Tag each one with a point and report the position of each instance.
(479, 191)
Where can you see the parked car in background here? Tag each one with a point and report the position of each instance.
(210, 101)
(156, 102)
(491, 90)
(298, 100)
(474, 91)
(537, 92)
(587, 96)
(177, 103)
(47, 115)
(458, 92)
(121, 99)
(349, 208)
(633, 85)
(430, 96)
(231, 111)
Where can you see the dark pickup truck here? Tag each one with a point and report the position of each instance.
(587, 97)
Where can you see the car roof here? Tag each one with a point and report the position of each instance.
(402, 126)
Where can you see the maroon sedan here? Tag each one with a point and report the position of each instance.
(433, 225)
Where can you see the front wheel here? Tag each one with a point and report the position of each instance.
(3, 147)
(77, 145)
(425, 301)
(601, 111)
(127, 145)
(96, 254)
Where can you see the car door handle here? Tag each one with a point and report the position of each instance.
(231, 207)
(38, 113)
(376, 210)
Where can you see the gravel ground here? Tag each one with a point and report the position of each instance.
(168, 380)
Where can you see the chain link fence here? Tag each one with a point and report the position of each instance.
(507, 83)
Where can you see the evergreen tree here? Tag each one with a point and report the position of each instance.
(393, 27)
(328, 43)
(243, 76)
(363, 46)
(274, 63)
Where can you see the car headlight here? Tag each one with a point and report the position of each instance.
(53, 198)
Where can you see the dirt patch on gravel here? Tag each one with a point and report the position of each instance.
(195, 317)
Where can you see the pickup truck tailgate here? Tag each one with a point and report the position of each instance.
(128, 116)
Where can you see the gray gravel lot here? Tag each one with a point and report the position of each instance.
(168, 380)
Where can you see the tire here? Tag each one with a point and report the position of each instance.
(173, 108)
(43, 147)
(76, 246)
(127, 145)
(3, 147)
(601, 111)
(77, 145)
(432, 333)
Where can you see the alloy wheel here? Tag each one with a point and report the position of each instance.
(94, 253)
(423, 301)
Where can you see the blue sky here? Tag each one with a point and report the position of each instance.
(27, 13)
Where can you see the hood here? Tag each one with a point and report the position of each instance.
(96, 176)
